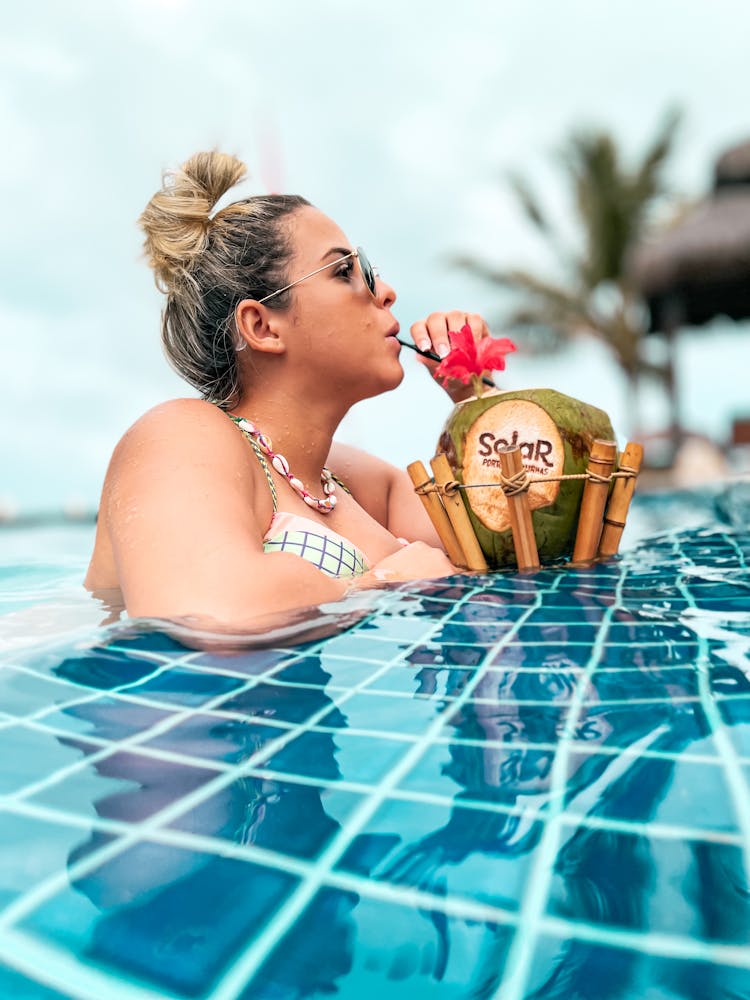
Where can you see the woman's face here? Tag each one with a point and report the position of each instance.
(337, 329)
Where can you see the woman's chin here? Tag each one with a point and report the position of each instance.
(394, 379)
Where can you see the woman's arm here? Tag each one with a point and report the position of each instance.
(385, 492)
(182, 514)
(185, 525)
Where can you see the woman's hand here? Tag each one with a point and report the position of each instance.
(431, 334)
(416, 561)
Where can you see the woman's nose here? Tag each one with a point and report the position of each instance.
(384, 293)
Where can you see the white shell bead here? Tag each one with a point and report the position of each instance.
(280, 464)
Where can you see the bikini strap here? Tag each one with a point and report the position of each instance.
(261, 458)
(341, 483)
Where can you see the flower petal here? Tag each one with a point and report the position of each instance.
(452, 367)
(463, 340)
(491, 353)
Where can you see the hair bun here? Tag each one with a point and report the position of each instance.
(176, 219)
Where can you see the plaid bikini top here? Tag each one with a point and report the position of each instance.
(326, 549)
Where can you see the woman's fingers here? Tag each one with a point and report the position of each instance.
(431, 334)
(478, 326)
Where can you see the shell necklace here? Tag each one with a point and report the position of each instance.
(325, 504)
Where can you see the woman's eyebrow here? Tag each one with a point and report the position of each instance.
(339, 251)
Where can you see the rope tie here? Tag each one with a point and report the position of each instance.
(429, 487)
(520, 482)
(515, 484)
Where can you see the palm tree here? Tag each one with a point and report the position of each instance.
(615, 207)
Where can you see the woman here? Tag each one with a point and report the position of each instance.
(223, 509)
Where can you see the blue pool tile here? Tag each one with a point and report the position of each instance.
(204, 737)
(735, 714)
(294, 818)
(249, 662)
(382, 713)
(170, 917)
(479, 633)
(107, 718)
(127, 787)
(514, 597)
(20, 987)
(373, 949)
(518, 654)
(451, 654)
(109, 668)
(22, 694)
(438, 681)
(689, 888)
(655, 631)
(277, 703)
(37, 756)
(644, 790)
(595, 971)
(447, 850)
(307, 670)
(183, 686)
(31, 850)
(648, 654)
(353, 646)
(557, 634)
(338, 755)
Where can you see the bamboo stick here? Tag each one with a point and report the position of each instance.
(601, 461)
(619, 501)
(522, 529)
(436, 512)
(456, 511)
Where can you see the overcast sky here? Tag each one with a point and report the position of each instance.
(397, 119)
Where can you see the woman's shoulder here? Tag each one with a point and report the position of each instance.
(179, 434)
(175, 413)
(192, 423)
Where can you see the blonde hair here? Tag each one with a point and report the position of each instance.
(207, 264)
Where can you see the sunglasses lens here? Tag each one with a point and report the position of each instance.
(367, 271)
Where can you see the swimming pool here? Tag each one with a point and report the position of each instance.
(505, 786)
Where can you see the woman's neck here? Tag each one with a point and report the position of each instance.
(301, 432)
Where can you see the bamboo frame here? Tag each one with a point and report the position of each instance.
(601, 462)
(436, 512)
(619, 501)
(522, 529)
(598, 533)
(456, 511)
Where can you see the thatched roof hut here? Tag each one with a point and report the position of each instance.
(701, 268)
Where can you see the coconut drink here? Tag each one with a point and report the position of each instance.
(554, 433)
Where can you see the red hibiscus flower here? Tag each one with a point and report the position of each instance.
(469, 359)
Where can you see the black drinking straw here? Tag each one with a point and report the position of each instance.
(436, 357)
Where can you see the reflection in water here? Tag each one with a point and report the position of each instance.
(176, 915)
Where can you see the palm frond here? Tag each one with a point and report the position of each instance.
(530, 204)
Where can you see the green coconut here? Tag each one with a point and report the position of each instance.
(554, 433)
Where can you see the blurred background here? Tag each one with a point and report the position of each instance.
(553, 166)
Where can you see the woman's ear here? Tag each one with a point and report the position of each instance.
(258, 327)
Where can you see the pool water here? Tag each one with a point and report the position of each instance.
(503, 786)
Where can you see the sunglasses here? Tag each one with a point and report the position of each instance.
(369, 273)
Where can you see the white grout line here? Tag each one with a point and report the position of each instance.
(44, 890)
(49, 965)
(521, 951)
(736, 780)
(235, 979)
